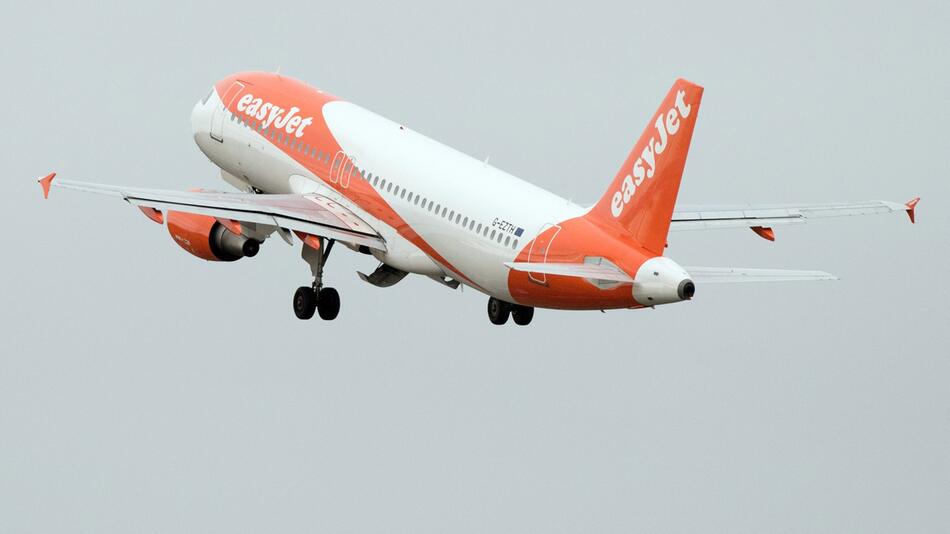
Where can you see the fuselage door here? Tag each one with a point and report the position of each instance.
(538, 253)
(221, 112)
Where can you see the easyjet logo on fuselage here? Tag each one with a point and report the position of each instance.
(271, 114)
(667, 124)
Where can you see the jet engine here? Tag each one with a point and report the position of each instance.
(208, 239)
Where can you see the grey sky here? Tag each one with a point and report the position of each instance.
(142, 390)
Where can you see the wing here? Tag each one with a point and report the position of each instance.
(712, 275)
(308, 214)
(762, 218)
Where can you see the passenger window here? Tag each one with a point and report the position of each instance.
(397, 191)
(499, 237)
(389, 187)
(376, 181)
(486, 231)
(458, 218)
(479, 228)
(430, 205)
(471, 225)
(465, 222)
(437, 209)
(492, 234)
(417, 200)
(507, 240)
(451, 214)
(515, 244)
(382, 185)
(444, 209)
(403, 195)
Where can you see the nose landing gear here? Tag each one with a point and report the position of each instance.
(316, 298)
(499, 311)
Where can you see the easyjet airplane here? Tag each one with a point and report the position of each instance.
(311, 165)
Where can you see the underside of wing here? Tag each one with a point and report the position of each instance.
(766, 216)
(309, 214)
(707, 275)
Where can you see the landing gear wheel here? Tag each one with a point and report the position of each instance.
(522, 315)
(328, 304)
(498, 311)
(305, 302)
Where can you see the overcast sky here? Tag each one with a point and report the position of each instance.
(143, 390)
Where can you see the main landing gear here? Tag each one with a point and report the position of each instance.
(316, 298)
(499, 311)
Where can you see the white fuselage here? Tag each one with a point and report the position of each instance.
(467, 210)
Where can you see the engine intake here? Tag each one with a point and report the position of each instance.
(204, 237)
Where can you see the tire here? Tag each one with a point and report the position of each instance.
(522, 315)
(328, 303)
(498, 311)
(305, 302)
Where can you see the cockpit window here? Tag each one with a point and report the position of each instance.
(205, 99)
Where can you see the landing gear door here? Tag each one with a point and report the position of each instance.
(538, 253)
(220, 112)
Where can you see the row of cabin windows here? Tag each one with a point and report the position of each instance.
(284, 139)
(440, 211)
(381, 184)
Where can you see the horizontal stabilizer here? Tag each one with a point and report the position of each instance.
(712, 275)
(593, 271)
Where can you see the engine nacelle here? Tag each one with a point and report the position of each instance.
(206, 238)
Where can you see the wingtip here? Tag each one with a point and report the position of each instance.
(45, 182)
(911, 206)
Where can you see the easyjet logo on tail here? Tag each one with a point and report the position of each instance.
(667, 124)
(271, 114)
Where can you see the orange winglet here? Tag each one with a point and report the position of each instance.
(233, 226)
(46, 182)
(764, 232)
(311, 241)
(911, 206)
(153, 214)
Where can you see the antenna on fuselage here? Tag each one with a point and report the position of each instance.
(277, 72)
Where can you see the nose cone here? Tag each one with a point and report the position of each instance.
(661, 280)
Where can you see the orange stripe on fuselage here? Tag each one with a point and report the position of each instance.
(288, 93)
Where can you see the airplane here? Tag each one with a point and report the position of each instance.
(311, 165)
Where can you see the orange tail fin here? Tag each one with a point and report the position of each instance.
(642, 196)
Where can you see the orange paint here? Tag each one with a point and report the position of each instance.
(288, 93)
(46, 182)
(630, 223)
(911, 208)
(192, 232)
(153, 214)
(642, 196)
(764, 232)
(311, 241)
